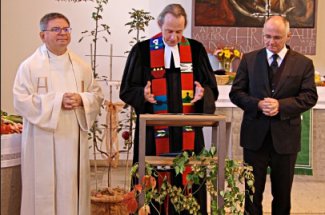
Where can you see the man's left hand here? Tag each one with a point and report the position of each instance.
(199, 92)
(270, 107)
(71, 101)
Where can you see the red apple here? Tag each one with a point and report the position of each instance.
(125, 135)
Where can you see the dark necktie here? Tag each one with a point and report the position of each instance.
(274, 64)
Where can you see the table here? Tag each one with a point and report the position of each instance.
(10, 150)
(218, 124)
(224, 101)
(10, 174)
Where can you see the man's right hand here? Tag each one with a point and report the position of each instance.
(147, 94)
(71, 101)
(269, 106)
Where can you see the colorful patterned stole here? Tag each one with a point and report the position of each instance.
(159, 89)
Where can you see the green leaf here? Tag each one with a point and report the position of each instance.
(214, 204)
(189, 186)
(163, 186)
(205, 153)
(213, 150)
(201, 174)
(241, 197)
(177, 170)
(196, 179)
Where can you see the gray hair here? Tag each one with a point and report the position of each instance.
(284, 20)
(175, 9)
(50, 16)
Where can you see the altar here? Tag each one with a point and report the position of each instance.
(10, 174)
(234, 117)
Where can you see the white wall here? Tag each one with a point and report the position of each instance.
(319, 58)
(20, 30)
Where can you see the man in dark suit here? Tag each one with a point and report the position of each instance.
(273, 86)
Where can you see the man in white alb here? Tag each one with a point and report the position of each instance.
(59, 99)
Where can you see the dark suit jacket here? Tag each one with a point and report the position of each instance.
(296, 93)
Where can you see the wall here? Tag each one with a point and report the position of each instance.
(20, 30)
(318, 59)
(20, 35)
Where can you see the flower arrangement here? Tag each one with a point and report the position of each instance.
(226, 55)
(181, 198)
(319, 80)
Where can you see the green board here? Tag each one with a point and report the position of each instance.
(304, 165)
(304, 160)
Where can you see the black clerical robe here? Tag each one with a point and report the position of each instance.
(136, 74)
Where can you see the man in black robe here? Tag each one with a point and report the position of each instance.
(137, 82)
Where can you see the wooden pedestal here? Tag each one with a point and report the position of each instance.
(218, 124)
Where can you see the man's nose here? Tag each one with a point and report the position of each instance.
(173, 36)
(63, 32)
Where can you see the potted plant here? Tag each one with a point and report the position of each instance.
(203, 172)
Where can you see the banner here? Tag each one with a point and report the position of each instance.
(304, 164)
(218, 23)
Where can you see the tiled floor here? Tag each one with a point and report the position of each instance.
(307, 197)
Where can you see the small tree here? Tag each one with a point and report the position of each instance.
(96, 16)
(140, 19)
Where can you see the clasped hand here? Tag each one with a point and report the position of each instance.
(149, 97)
(71, 101)
(269, 106)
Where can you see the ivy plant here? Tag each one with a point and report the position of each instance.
(204, 172)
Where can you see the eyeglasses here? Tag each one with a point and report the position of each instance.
(57, 30)
(275, 38)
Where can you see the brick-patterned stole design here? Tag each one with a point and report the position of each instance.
(159, 89)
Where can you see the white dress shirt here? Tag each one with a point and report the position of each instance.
(168, 55)
(281, 54)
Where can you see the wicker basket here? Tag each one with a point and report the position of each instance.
(107, 202)
(222, 79)
(231, 73)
